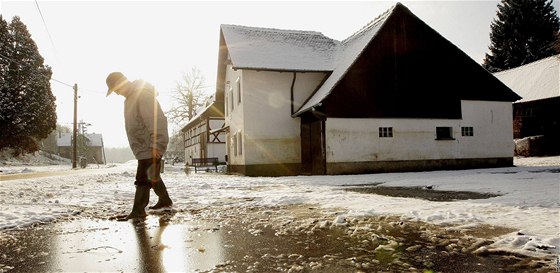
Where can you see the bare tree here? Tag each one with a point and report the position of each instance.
(189, 94)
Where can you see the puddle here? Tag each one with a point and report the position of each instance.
(546, 171)
(421, 193)
(110, 246)
(274, 239)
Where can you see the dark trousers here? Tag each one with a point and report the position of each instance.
(148, 172)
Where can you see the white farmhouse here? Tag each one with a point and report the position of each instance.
(204, 134)
(94, 153)
(394, 96)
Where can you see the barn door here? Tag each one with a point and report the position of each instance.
(313, 145)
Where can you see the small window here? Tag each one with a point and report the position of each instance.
(240, 143)
(385, 131)
(443, 133)
(226, 95)
(467, 131)
(234, 144)
(231, 99)
(238, 85)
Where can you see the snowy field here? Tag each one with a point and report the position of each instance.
(529, 200)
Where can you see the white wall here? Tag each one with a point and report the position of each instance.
(234, 118)
(192, 152)
(305, 85)
(217, 150)
(270, 134)
(351, 140)
(495, 136)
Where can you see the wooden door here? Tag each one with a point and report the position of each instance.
(313, 145)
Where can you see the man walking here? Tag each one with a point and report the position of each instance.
(146, 128)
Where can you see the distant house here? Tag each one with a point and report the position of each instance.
(538, 113)
(204, 134)
(394, 96)
(94, 142)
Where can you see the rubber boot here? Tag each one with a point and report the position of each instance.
(141, 200)
(163, 197)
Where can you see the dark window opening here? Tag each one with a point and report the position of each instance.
(444, 133)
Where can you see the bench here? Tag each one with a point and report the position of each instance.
(205, 163)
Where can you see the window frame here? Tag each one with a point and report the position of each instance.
(234, 144)
(385, 132)
(467, 131)
(238, 85)
(226, 99)
(232, 99)
(239, 143)
(444, 133)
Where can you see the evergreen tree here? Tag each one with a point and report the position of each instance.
(30, 113)
(524, 31)
(6, 96)
(5, 41)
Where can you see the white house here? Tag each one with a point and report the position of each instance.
(204, 134)
(94, 142)
(394, 96)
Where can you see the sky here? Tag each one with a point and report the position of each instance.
(159, 41)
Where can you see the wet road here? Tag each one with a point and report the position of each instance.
(15, 176)
(280, 239)
(89, 245)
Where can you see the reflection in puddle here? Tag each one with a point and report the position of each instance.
(98, 245)
(283, 239)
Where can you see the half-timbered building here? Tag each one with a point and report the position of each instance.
(204, 134)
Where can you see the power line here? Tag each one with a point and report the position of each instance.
(69, 85)
(52, 79)
(46, 28)
(54, 48)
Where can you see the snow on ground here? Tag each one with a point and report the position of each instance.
(39, 158)
(36, 162)
(529, 201)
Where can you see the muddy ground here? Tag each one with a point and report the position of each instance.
(233, 237)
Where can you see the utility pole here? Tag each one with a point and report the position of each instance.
(75, 131)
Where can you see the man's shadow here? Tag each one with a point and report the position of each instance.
(150, 248)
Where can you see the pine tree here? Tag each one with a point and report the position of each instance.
(524, 31)
(4, 52)
(30, 113)
(6, 97)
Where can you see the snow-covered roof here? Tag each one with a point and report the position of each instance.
(65, 140)
(95, 140)
(293, 50)
(348, 52)
(276, 49)
(210, 110)
(534, 81)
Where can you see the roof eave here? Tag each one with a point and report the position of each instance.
(382, 19)
(280, 69)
